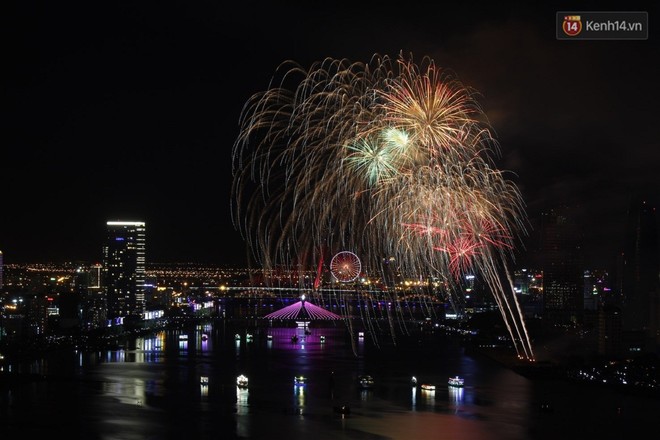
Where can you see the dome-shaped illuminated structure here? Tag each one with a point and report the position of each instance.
(303, 311)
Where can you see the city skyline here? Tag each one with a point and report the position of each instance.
(137, 119)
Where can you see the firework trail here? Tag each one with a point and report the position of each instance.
(389, 158)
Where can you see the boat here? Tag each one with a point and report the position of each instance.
(546, 407)
(456, 381)
(204, 380)
(427, 387)
(237, 337)
(366, 381)
(300, 380)
(344, 410)
(204, 336)
(242, 381)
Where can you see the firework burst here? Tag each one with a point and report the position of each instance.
(389, 158)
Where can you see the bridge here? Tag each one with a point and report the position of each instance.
(408, 294)
(334, 296)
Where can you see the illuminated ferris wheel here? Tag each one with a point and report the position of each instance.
(345, 266)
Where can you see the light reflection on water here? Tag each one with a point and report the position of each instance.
(456, 394)
(153, 388)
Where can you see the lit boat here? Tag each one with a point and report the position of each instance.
(427, 387)
(204, 380)
(204, 336)
(300, 380)
(242, 381)
(456, 381)
(237, 337)
(183, 337)
(366, 381)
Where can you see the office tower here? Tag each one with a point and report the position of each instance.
(124, 269)
(562, 267)
(85, 305)
(95, 276)
(640, 274)
(1, 269)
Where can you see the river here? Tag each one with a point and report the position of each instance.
(153, 389)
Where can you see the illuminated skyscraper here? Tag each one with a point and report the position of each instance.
(95, 276)
(1, 269)
(124, 269)
(94, 301)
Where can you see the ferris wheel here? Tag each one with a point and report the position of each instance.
(345, 266)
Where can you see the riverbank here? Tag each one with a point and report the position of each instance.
(637, 375)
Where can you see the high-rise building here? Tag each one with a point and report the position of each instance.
(1, 269)
(562, 267)
(95, 275)
(124, 269)
(641, 267)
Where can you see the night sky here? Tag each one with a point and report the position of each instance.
(129, 110)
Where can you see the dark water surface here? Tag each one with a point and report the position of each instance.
(152, 389)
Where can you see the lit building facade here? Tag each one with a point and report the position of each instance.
(124, 269)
